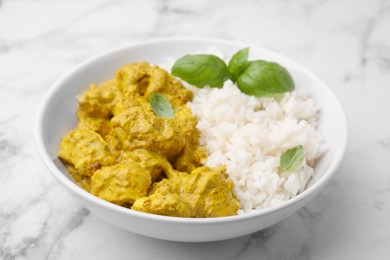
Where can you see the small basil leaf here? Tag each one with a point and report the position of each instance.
(292, 158)
(262, 78)
(201, 70)
(160, 105)
(239, 62)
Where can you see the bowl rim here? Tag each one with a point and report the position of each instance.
(77, 190)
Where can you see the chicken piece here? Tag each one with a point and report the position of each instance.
(85, 150)
(122, 183)
(114, 144)
(166, 198)
(192, 155)
(97, 124)
(133, 79)
(211, 193)
(172, 89)
(99, 101)
(138, 127)
(154, 163)
(83, 181)
(103, 127)
(128, 103)
(205, 192)
(140, 80)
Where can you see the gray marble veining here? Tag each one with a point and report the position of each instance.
(346, 43)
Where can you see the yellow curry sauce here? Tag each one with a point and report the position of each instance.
(123, 153)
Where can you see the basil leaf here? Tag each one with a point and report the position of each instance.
(262, 78)
(292, 158)
(239, 62)
(160, 105)
(202, 70)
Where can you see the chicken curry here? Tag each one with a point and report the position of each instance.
(122, 152)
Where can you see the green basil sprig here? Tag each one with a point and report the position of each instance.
(160, 105)
(239, 62)
(263, 78)
(292, 159)
(201, 70)
(255, 78)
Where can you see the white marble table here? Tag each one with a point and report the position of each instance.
(346, 43)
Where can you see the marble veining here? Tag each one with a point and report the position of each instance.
(346, 43)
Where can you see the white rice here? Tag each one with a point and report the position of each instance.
(249, 134)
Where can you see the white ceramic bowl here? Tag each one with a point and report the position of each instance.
(57, 117)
